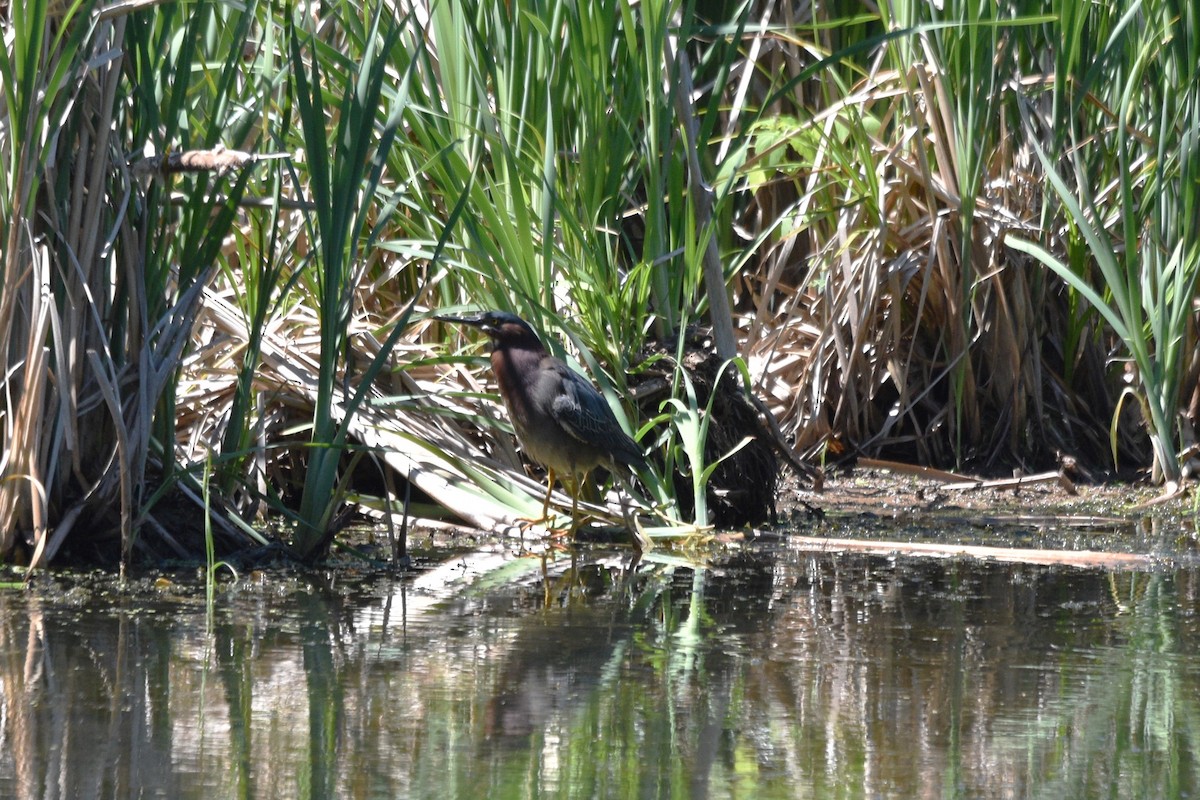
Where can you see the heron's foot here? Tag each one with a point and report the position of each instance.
(526, 524)
(577, 522)
(547, 522)
(566, 534)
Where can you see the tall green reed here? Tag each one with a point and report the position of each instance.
(343, 173)
(40, 74)
(118, 261)
(577, 172)
(1129, 187)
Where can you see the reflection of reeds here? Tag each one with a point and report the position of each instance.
(23, 680)
(85, 706)
(751, 675)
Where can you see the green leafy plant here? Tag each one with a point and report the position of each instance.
(691, 422)
(1149, 265)
(342, 180)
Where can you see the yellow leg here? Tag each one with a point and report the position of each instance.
(575, 487)
(575, 490)
(574, 512)
(542, 520)
(549, 491)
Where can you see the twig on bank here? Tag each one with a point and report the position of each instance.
(1085, 559)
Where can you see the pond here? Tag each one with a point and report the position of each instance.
(768, 671)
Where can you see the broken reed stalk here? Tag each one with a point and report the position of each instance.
(1084, 559)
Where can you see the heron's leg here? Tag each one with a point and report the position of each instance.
(575, 509)
(580, 482)
(551, 476)
(549, 491)
(571, 485)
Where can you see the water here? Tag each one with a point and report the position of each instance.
(767, 673)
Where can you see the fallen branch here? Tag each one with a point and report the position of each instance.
(1062, 480)
(899, 468)
(953, 481)
(1085, 559)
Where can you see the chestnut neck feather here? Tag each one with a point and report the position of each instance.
(509, 362)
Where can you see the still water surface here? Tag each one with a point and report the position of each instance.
(767, 673)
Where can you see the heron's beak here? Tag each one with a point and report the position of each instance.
(475, 321)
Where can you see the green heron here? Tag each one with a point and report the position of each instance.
(562, 422)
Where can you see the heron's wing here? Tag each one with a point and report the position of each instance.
(583, 412)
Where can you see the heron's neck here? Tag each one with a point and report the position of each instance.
(509, 363)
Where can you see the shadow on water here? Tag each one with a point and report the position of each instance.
(766, 673)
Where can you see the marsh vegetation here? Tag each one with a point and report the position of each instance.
(959, 234)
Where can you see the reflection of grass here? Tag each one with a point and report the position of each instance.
(1120, 717)
(749, 676)
(212, 566)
